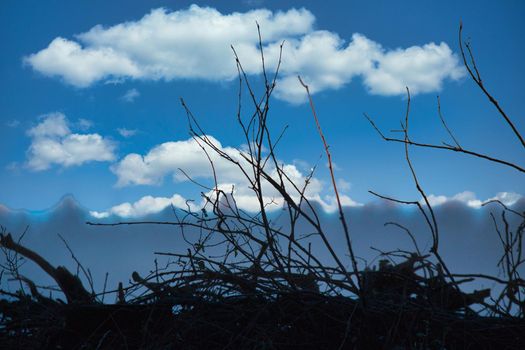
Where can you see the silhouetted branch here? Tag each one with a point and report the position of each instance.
(474, 74)
(70, 285)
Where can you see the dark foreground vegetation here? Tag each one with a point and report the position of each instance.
(246, 283)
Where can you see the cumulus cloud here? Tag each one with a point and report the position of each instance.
(243, 200)
(131, 95)
(182, 159)
(145, 206)
(182, 44)
(81, 66)
(469, 198)
(152, 205)
(52, 142)
(421, 68)
(167, 158)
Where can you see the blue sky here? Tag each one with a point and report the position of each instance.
(83, 96)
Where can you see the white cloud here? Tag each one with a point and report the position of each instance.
(144, 206)
(470, 199)
(421, 68)
(81, 66)
(126, 132)
(166, 159)
(52, 142)
(182, 44)
(131, 95)
(151, 205)
(507, 198)
(329, 202)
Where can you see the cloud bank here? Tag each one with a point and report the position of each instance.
(53, 143)
(152, 205)
(469, 242)
(185, 160)
(194, 43)
(469, 198)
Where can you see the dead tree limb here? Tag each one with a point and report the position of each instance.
(69, 284)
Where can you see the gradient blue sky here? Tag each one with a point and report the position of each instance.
(28, 96)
